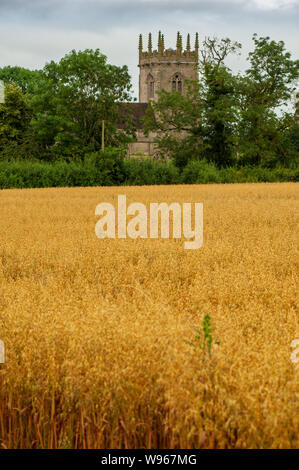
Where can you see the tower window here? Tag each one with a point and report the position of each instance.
(150, 87)
(177, 83)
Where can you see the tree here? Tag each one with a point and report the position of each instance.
(264, 90)
(221, 104)
(178, 123)
(74, 96)
(26, 79)
(15, 116)
(291, 136)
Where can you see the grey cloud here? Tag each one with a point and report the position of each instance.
(35, 31)
(103, 13)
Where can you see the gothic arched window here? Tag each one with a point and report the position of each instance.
(177, 83)
(150, 87)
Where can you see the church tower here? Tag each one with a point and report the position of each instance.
(166, 68)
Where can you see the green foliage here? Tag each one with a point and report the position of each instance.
(291, 144)
(225, 128)
(42, 175)
(96, 171)
(74, 96)
(272, 72)
(220, 100)
(24, 78)
(200, 172)
(15, 115)
(147, 172)
(266, 87)
(230, 119)
(201, 123)
(177, 120)
(221, 116)
(110, 164)
(204, 340)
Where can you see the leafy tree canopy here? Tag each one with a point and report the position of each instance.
(15, 115)
(229, 118)
(26, 79)
(74, 96)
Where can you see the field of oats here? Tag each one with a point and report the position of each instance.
(97, 332)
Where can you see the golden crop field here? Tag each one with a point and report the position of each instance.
(97, 332)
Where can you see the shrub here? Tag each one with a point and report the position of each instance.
(110, 164)
(199, 171)
(107, 169)
(149, 172)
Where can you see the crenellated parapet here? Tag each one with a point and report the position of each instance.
(161, 53)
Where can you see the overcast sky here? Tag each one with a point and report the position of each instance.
(33, 32)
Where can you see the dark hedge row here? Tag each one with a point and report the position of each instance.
(21, 174)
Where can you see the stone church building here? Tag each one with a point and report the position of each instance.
(161, 69)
